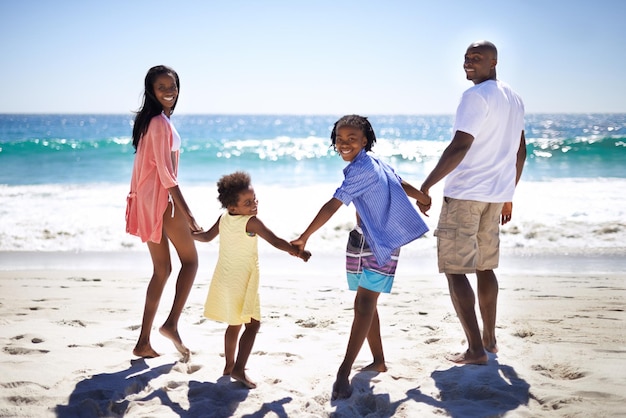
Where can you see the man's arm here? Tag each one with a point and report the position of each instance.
(450, 159)
(521, 157)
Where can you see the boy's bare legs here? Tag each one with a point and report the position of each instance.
(376, 347)
(230, 347)
(464, 300)
(246, 342)
(364, 309)
(487, 301)
(162, 268)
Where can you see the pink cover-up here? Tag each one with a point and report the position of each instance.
(154, 172)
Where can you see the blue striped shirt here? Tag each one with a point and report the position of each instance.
(388, 219)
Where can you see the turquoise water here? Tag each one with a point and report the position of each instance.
(285, 149)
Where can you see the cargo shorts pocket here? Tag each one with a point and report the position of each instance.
(446, 246)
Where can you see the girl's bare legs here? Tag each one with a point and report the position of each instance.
(230, 347)
(376, 347)
(162, 268)
(177, 231)
(246, 342)
(364, 310)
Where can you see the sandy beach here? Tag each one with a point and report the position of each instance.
(70, 321)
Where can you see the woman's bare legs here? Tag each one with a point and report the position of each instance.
(162, 268)
(176, 230)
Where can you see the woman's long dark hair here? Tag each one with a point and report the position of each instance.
(151, 106)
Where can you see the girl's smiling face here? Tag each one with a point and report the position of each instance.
(247, 204)
(349, 142)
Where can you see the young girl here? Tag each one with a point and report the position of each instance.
(386, 220)
(233, 295)
(156, 210)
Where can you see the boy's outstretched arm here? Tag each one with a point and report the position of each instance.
(209, 235)
(255, 226)
(423, 200)
(324, 214)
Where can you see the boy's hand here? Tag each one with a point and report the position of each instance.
(304, 255)
(299, 243)
(424, 206)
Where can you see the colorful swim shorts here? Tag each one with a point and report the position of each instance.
(362, 268)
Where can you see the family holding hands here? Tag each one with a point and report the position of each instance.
(481, 165)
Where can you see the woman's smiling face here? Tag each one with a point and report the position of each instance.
(166, 91)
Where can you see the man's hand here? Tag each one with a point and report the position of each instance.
(507, 212)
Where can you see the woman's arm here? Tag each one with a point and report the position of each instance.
(181, 204)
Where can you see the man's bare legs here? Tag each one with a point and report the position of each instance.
(376, 347)
(176, 230)
(463, 300)
(487, 301)
(236, 368)
(364, 312)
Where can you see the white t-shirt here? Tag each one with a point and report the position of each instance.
(494, 115)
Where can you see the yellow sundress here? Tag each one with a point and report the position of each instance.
(234, 291)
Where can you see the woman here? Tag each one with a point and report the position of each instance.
(156, 209)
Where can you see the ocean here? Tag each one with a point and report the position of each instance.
(64, 178)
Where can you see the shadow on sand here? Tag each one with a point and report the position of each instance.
(476, 391)
(115, 394)
(464, 392)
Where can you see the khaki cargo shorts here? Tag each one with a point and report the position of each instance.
(468, 236)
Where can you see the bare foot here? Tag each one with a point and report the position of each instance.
(145, 352)
(245, 380)
(375, 367)
(493, 349)
(178, 343)
(341, 389)
(468, 358)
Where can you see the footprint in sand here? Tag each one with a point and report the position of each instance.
(73, 323)
(33, 339)
(23, 350)
(559, 371)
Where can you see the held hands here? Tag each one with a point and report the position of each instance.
(195, 228)
(507, 212)
(424, 205)
(302, 253)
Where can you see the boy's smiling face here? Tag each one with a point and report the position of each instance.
(349, 142)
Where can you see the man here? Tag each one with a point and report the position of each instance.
(482, 166)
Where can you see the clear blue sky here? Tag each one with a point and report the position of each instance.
(308, 57)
